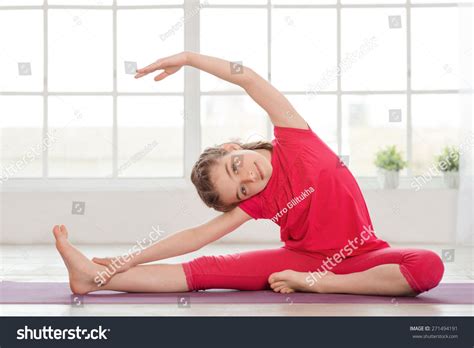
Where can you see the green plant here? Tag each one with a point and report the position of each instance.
(389, 159)
(448, 160)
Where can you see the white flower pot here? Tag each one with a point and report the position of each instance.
(451, 179)
(388, 179)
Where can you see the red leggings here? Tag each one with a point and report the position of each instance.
(423, 269)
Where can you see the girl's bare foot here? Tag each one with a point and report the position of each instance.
(82, 271)
(290, 281)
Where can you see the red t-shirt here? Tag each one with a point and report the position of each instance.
(313, 198)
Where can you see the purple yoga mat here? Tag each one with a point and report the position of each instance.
(59, 293)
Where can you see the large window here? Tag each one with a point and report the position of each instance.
(69, 105)
(364, 73)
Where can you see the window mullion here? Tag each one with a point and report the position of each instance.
(114, 94)
(45, 157)
(338, 88)
(409, 121)
(269, 59)
(192, 89)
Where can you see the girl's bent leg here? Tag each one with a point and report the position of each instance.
(421, 269)
(379, 280)
(385, 280)
(388, 271)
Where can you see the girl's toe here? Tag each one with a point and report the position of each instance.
(279, 288)
(277, 285)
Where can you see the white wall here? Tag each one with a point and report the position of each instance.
(124, 217)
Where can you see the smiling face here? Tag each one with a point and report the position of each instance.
(241, 174)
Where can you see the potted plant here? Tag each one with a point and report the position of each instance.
(389, 163)
(448, 163)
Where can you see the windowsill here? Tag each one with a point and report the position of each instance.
(406, 183)
(86, 184)
(167, 184)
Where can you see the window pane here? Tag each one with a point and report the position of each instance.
(435, 47)
(233, 2)
(436, 123)
(21, 128)
(441, 1)
(321, 114)
(21, 50)
(21, 2)
(84, 129)
(225, 118)
(143, 37)
(373, 1)
(302, 2)
(149, 2)
(80, 47)
(304, 49)
(373, 53)
(238, 35)
(80, 2)
(150, 136)
(370, 123)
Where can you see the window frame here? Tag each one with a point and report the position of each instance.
(192, 96)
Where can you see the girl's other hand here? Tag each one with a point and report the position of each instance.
(114, 264)
(169, 65)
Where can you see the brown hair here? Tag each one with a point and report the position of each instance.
(201, 173)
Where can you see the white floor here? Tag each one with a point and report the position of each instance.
(42, 263)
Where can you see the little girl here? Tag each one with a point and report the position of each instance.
(299, 183)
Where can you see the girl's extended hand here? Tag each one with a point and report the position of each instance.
(169, 65)
(114, 265)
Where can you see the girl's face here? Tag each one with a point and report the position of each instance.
(241, 174)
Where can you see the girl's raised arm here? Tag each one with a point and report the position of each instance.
(279, 109)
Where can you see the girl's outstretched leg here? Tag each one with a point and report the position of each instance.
(149, 278)
(146, 278)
